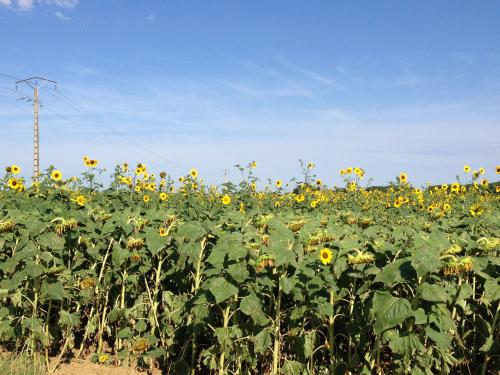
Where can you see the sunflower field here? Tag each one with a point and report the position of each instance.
(251, 278)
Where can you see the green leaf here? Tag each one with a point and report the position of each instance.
(491, 290)
(69, 320)
(141, 326)
(396, 271)
(432, 292)
(262, 341)
(251, 306)
(221, 289)
(238, 271)
(389, 311)
(54, 291)
(124, 333)
(191, 231)
(51, 241)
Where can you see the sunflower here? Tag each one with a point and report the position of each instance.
(15, 169)
(310, 165)
(146, 198)
(444, 187)
(325, 255)
(80, 200)
(319, 182)
(163, 196)
(13, 183)
(348, 170)
(403, 178)
(300, 198)
(397, 203)
(446, 207)
(484, 182)
(481, 170)
(466, 168)
(497, 188)
(497, 169)
(56, 175)
(455, 187)
(279, 183)
(135, 257)
(193, 173)
(314, 204)
(226, 199)
(253, 185)
(253, 164)
(137, 189)
(476, 210)
(162, 232)
(139, 171)
(103, 358)
(277, 204)
(358, 171)
(93, 163)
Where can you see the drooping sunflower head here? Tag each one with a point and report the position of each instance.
(325, 255)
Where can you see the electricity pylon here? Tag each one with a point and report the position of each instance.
(35, 83)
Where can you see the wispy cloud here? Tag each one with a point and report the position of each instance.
(27, 5)
(284, 91)
(61, 16)
(315, 76)
(151, 17)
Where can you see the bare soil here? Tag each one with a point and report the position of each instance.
(83, 367)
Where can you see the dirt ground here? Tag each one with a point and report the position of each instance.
(82, 367)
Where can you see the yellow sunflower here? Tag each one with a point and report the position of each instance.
(476, 210)
(162, 232)
(146, 198)
(403, 178)
(15, 169)
(325, 255)
(163, 196)
(80, 200)
(279, 183)
(226, 199)
(193, 173)
(466, 168)
(13, 183)
(56, 175)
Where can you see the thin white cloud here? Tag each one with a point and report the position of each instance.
(25, 4)
(61, 3)
(310, 74)
(61, 16)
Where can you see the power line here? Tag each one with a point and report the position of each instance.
(99, 121)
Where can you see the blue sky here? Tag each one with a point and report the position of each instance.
(389, 86)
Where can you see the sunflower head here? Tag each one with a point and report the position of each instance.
(15, 169)
(193, 173)
(403, 178)
(466, 168)
(279, 183)
(226, 199)
(325, 255)
(163, 196)
(162, 232)
(56, 175)
(146, 198)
